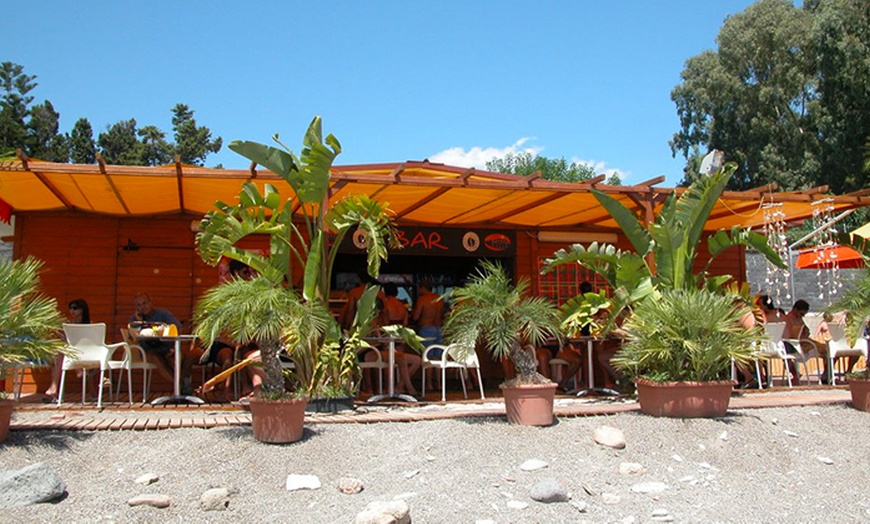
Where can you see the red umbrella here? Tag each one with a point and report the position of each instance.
(826, 257)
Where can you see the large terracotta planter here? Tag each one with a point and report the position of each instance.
(5, 418)
(860, 389)
(278, 421)
(529, 405)
(684, 399)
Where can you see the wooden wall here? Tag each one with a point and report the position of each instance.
(107, 260)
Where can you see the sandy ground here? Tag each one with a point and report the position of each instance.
(797, 464)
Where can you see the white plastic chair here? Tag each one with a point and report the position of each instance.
(772, 348)
(453, 356)
(137, 360)
(839, 347)
(90, 351)
(377, 364)
(811, 322)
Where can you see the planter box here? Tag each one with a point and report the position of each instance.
(860, 390)
(684, 399)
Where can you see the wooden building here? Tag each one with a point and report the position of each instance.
(105, 232)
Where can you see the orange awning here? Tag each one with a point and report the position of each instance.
(828, 257)
(418, 192)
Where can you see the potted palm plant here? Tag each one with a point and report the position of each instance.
(680, 349)
(489, 309)
(276, 309)
(29, 323)
(662, 264)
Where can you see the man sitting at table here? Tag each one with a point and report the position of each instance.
(158, 352)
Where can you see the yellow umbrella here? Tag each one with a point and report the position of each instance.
(863, 231)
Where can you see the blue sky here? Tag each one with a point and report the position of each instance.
(452, 81)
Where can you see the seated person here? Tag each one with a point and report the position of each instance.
(795, 329)
(157, 352)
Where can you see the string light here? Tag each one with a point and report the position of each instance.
(777, 280)
(826, 259)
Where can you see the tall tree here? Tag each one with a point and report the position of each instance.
(780, 94)
(557, 169)
(750, 99)
(192, 143)
(14, 105)
(155, 150)
(841, 36)
(119, 144)
(82, 147)
(43, 140)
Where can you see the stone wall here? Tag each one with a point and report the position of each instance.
(806, 283)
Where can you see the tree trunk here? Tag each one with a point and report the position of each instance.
(273, 382)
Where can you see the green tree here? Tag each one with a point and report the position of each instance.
(43, 140)
(156, 151)
(192, 143)
(785, 95)
(82, 147)
(557, 169)
(119, 144)
(14, 105)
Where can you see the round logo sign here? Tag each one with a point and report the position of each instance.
(360, 240)
(471, 241)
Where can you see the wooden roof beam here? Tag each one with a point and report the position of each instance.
(529, 206)
(531, 178)
(396, 174)
(178, 182)
(860, 192)
(423, 201)
(593, 181)
(115, 191)
(23, 157)
(652, 181)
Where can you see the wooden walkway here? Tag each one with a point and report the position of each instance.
(120, 416)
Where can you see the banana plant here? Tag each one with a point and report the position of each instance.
(304, 232)
(664, 251)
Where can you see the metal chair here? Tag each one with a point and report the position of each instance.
(137, 360)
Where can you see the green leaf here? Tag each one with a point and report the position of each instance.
(631, 227)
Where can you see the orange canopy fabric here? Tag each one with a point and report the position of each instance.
(827, 257)
(418, 193)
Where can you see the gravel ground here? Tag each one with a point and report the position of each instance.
(804, 464)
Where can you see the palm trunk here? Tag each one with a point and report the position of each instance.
(273, 383)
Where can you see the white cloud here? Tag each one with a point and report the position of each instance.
(477, 156)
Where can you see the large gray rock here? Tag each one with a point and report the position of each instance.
(31, 485)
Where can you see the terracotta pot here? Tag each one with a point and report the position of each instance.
(683, 399)
(860, 389)
(278, 421)
(529, 405)
(5, 418)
